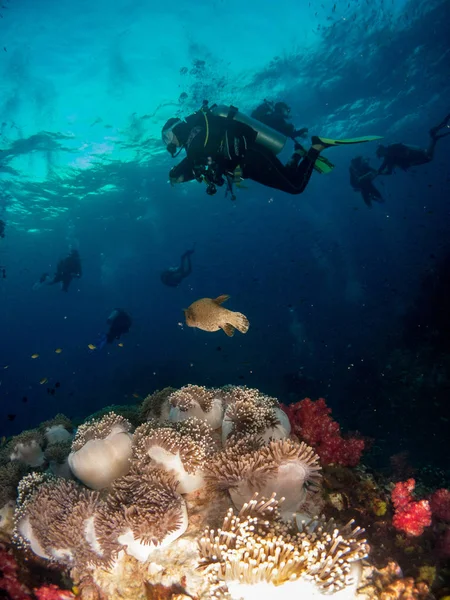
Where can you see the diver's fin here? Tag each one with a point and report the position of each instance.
(229, 329)
(327, 142)
(221, 299)
(322, 164)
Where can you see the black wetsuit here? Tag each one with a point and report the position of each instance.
(219, 145)
(67, 269)
(119, 323)
(405, 157)
(359, 167)
(174, 276)
(2, 228)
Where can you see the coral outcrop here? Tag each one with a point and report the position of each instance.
(210, 497)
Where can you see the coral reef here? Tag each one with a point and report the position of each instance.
(256, 547)
(143, 511)
(52, 519)
(390, 584)
(249, 412)
(312, 422)
(52, 592)
(57, 455)
(156, 405)
(27, 447)
(290, 468)
(440, 504)
(10, 585)
(58, 429)
(186, 507)
(182, 448)
(196, 401)
(101, 450)
(410, 516)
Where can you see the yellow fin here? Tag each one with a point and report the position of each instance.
(229, 329)
(221, 299)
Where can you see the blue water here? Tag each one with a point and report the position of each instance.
(84, 91)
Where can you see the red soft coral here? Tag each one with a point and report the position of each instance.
(9, 581)
(52, 592)
(440, 504)
(312, 422)
(410, 516)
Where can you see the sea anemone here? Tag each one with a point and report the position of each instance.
(288, 468)
(57, 455)
(101, 451)
(180, 448)
(52, 520)
(27, 448)
(254, 555)
(196, 401)
(156, 405)
(250, 412)
(58, 429)
(143, 511)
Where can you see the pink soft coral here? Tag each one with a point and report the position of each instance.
(312, 422)
(410, 516)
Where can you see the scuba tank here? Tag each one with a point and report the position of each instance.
(266, 136)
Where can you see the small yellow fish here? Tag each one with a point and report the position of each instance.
(43, 380)
(58, 350)
(35, 356)
(120, 344)
(92, 347)
(208, 314)
(136, 396)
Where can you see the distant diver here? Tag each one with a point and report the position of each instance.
(276, 115)
(119, 322)
(361, 180)
(173, 276)
(224, 146)
(2, 228)
(405, 157)
(67, 269)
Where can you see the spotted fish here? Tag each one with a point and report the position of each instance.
(208, 314)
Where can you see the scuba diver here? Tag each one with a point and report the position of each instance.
(119, 322)
(225, 146)
(276, 115)
(175, 275)
(67, 269)
(405, 157)
(361, 180)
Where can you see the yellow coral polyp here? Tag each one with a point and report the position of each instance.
(427, 573)
(379, 507)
